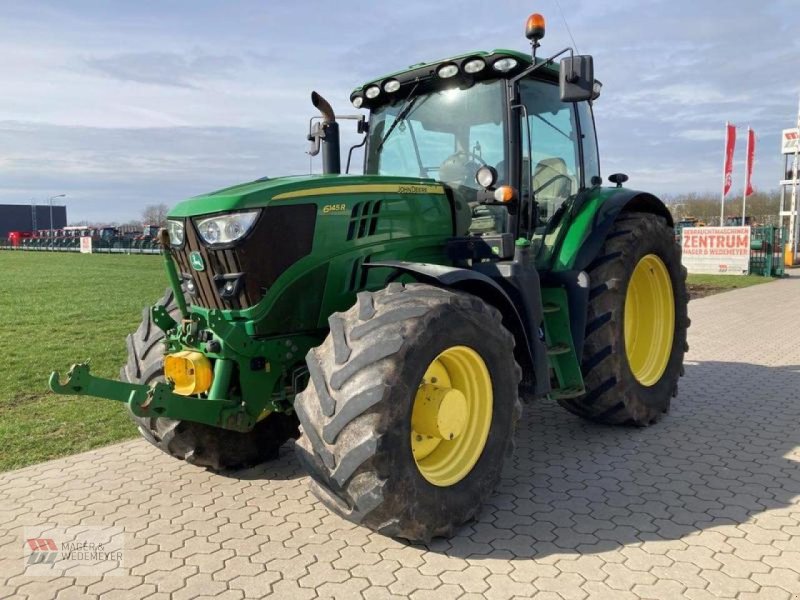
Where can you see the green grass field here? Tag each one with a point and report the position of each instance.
(705, 285)
(57, 309)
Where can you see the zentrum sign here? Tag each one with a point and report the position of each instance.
(716, 250)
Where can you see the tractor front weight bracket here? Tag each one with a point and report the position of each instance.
(234, 337)
(162, 319)
(154, 401)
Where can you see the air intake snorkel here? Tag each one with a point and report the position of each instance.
(326, 135)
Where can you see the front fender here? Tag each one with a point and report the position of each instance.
(588, 229)
(478, 284)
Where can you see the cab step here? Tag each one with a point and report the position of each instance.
(564, 363)
(567, 393)
(557, 349)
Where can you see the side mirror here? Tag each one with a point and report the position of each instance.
(576, 78)
(315, 135)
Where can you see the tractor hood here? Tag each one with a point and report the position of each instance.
(264, 191)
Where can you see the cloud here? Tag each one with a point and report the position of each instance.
(111, 173)
(702, 135)
(684, 94)
(165, 68)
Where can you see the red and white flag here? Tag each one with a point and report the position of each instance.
(751, 155)
(730, 143)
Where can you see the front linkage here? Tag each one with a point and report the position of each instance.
(197, 390)
(157, 400)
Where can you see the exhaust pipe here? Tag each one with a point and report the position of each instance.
(331, 162)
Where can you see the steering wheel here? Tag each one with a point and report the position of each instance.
(454, 168)
(470, 155)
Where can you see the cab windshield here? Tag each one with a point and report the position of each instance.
(446, 135)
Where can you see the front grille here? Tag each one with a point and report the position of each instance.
(281, 236)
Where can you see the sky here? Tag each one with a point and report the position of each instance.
(120, 105)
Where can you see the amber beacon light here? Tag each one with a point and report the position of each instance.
(534, 27)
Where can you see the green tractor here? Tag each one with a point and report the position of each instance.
(399, 316)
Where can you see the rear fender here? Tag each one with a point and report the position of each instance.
(593, 221)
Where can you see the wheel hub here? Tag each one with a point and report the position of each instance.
(439, 412)
(451, 416)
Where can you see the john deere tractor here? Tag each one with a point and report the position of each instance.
(399, 316)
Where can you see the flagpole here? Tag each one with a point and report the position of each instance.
(793, 210)
(724, 161)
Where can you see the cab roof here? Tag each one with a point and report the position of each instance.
(424, 76)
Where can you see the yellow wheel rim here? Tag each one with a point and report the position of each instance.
(649, 320)
(452, 415)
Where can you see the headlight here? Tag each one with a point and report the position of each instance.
(176, 232)
(225, 229)
(372, 92)
(391, 85)
(474, 66)
(447, 71)
(486, 176)
(358, 101)
(504, 65)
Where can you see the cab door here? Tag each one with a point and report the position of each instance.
(560, 159)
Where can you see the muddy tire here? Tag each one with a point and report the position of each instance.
(197, 443)
(614, 394)
(356, 412)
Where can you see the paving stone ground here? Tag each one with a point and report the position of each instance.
(705, 504)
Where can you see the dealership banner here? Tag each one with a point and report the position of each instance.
(749, 160)
(716, 250)
(789, 140)
(730, 145)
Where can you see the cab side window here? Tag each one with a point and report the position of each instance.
(591, 158)
(555, 160)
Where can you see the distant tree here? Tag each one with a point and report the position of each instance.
(763, 207)
(155, 214)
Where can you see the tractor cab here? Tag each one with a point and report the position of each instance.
(511, 136)
(150, 232)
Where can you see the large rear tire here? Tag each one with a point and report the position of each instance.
(373, 457)
(196, 443)
(636, 325)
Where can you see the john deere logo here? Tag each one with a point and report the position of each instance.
(197, 261)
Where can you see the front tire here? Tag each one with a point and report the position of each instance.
(373, 457)
(636, 326)
(196, 443)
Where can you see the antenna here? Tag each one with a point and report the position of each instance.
(564, 18)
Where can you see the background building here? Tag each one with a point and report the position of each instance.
(20, 217)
